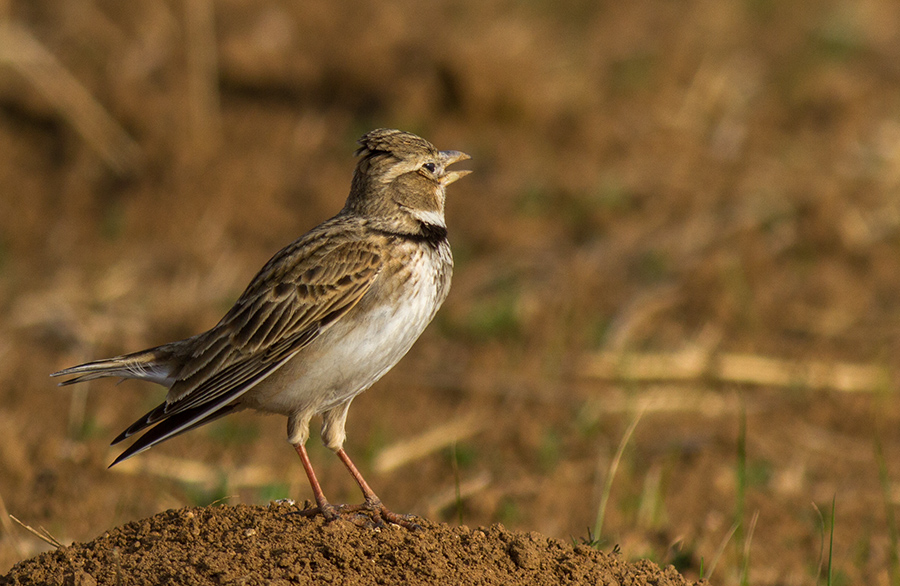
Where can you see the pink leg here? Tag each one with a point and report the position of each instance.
(328, 510)
(370, 495)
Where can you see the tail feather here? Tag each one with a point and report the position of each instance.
(171, 427)
(157, 365)
(151, 365)
(141, 424)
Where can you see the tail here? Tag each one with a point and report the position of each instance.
(153, 365)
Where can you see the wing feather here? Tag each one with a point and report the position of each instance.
(301, 292)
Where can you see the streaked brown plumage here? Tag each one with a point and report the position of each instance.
(323, 320)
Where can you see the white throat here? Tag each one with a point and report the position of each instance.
(429, 217)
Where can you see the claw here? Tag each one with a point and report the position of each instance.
(369, 515)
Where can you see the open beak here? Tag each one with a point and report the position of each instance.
(448, 158)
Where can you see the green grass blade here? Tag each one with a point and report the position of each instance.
(894, 569)
(831, 541)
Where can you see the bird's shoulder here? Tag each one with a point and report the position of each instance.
(303, 290)
(336, 254)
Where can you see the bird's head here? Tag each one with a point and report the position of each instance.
(401, 173)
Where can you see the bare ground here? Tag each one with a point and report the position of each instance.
(256, 545)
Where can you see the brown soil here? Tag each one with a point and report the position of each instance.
(251, 545)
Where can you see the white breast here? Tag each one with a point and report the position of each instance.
(363, 345)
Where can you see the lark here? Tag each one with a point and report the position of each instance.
(321, 322)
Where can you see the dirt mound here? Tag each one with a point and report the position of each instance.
(268, 545)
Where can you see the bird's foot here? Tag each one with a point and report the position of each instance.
(381, 514)
(368, 514)
(327, 510)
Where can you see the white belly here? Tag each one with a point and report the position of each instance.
(356, 351)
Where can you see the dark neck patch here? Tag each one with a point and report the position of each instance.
(430, 234)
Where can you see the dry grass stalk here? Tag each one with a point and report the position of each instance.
(19, 49)
(448, 497)
(194, 472)
(745, 578)
(662, 398)
(40, 533)
(749, 369)
(813, 374)
(611, 474)
(400, 453)
(649, 366)
(719, 551)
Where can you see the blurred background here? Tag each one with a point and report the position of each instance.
(675, 318)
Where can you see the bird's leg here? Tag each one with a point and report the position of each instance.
(329, 511)
(373, 503)
(373, 511)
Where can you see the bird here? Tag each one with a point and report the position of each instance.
(324, 319)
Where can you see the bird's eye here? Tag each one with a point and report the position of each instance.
(430, 167)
